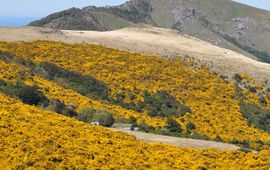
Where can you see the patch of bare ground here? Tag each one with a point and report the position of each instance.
(182, 142)
(150, 40)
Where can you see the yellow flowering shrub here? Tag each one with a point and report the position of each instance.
(251, 96)
(12, 72)
(69, 97)
(31, 138)
(214, 109)
(246, 77)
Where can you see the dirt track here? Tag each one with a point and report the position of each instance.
(150, 40)
(183, 142)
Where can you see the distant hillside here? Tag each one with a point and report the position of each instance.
(221, 22)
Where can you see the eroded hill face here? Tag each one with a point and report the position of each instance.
(224, 23)
(137, 85)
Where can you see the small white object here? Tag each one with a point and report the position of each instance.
(95, 123)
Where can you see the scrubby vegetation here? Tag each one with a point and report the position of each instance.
(27, 94)
(163, 104)
(83, 84)
(89, 115)
(105, 85)
(173, 126)
(148, 88)
(261, 55)
(256, 115)
(52, 141)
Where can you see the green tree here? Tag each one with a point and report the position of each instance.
(86, 114)
(104, 118)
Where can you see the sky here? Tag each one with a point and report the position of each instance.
(21, 12)
(263, 4)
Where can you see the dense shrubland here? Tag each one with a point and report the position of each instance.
(50, 141)
(27, 94)
(157, 92)
(256, 115)
(37, 139)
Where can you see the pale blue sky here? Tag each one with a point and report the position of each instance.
(263, 4)
(39, 8)
(21, 12)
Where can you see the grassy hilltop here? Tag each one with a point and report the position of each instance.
(224, 23)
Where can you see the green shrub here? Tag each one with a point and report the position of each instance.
(245, 143)
(104, 118)
(190, 126)
(245, 150)
(120, 97)
(83, 84)
(86, 114)
(163, 104)
(165, 131)
(173, 126)
(27, 94)
(69, 111)
(256, 115)
(218, 138)
(196, 135)
(132, 120)
(89, 115)
(120, 119)
(234, 141)
(57, 106)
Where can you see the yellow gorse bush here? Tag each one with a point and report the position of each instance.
(37, 139)
(11, 72)
(69, 97)
(214, 109)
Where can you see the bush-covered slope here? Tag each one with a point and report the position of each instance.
(137, 85)
(34, 138)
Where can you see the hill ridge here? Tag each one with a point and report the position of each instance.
(224, 23)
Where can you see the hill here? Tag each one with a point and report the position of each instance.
(51, 91)
(152, 40)
(136, 85)
(224, 23)
(38, 139)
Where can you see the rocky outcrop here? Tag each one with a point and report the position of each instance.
(72, 19)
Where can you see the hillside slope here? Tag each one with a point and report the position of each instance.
(42, 83)
(221, 22)
(34, 138)
(136, 85)
(151, 40)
